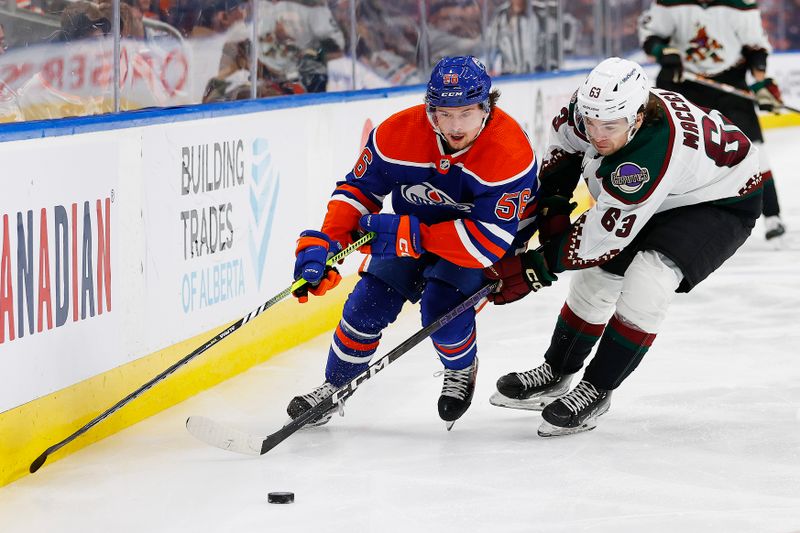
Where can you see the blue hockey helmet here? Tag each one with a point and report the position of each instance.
(458, 81)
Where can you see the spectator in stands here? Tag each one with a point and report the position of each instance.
(454, 29)
(82, 20)
(513, 39)
(218, 17)
(86, 86)
(131, 25)
(145, 7)
(3, 43)
(296, 41)
(386, 38)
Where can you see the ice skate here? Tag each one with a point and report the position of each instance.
(457, 391)
(300, 404)
(576, 411)
(532, 389)
(774, 230)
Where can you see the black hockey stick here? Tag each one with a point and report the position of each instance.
(234, 440)
(730, 89)
(37, 464)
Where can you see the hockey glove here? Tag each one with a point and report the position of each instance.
(313, 250)
(671, 64)
(518, 276)
(768, 95)
(395, 235)
(553, 216)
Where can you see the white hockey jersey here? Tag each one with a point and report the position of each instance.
(688, 157)
(709, 38)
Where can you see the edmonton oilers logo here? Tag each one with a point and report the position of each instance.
(426, 194)
(630, 177)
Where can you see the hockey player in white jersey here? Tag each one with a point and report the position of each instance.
(720, 40)
(677, 190)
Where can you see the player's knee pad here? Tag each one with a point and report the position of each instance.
(455, 342)
(648, 288)
(593, 293)
(371, 307)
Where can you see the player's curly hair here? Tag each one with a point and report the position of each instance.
(652, 110)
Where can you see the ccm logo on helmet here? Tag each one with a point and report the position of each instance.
(459, 93)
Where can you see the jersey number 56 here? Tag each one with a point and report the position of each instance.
(512, 204)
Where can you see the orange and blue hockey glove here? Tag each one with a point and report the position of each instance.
(395, 235)
(313, 250)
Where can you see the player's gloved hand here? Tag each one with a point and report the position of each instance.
(518, 276)
(553, 216)
(395, 235)
(671, 63)
(768, 95)
(312, 252)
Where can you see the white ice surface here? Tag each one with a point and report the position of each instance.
(704, 436)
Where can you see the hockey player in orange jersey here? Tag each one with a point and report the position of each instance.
(462, 175)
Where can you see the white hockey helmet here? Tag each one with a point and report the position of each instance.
(616, 88)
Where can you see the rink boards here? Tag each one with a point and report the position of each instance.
(129, 241)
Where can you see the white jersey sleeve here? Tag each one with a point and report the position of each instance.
(656, 21)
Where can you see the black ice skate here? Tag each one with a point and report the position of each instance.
(457, 391)
(774, 227)
(576, 411)
(301, 404)
(532, 389)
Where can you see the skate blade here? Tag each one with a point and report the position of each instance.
(549, 430)
(532, 404)
(449, 424)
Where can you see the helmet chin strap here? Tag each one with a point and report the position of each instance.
(429, 113)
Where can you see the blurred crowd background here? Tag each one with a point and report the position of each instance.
(57, 57)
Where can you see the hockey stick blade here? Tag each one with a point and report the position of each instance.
(234, 440)
(39, 461)
(223, 437)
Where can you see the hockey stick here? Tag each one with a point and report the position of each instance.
(730, 89)
(238, 441)
(37, 464)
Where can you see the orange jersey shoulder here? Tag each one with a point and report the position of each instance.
(501, 152)
(407, 136)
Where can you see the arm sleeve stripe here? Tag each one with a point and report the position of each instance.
(471, 249)
(475, 233)
(356, 204)
(497, 231)
(361, 196)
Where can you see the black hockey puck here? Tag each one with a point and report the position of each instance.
(280, 497)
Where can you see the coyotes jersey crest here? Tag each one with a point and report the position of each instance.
(703, 47)
(710, 36)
